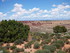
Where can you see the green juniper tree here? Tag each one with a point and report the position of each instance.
(12, 30)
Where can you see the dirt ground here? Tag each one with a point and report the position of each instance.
(32, 50)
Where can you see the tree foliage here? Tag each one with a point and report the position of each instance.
(12, 30)
(59, 29)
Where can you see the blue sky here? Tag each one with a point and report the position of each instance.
(35, 9)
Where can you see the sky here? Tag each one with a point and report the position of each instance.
(22, 10)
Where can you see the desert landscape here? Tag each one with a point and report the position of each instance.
(35, 36)
(46, 26)
(34, 26)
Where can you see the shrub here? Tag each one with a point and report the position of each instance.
(43, 51)
(59, 29)
(13, 47)
(6, 51)
(45, 36)
(58, 36)
(46, 41)
(37, 36)
(58, 43)
(26, 52)
(3, 50)
(58, 46)
(49, 47)
(67, 37)
(16, 50)
(36, 45)
(60, 51)
(19, 41)
(28, 45)
(52, 34)
(64, 39)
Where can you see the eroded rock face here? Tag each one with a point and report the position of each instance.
(45, 26)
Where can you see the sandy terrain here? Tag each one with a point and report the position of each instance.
(32, 50)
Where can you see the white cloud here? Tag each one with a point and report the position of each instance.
(18, 12)
(2, 15)
(3, 0)
(60, 10)
(43, 11)
(34, 9)
(17, 8)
